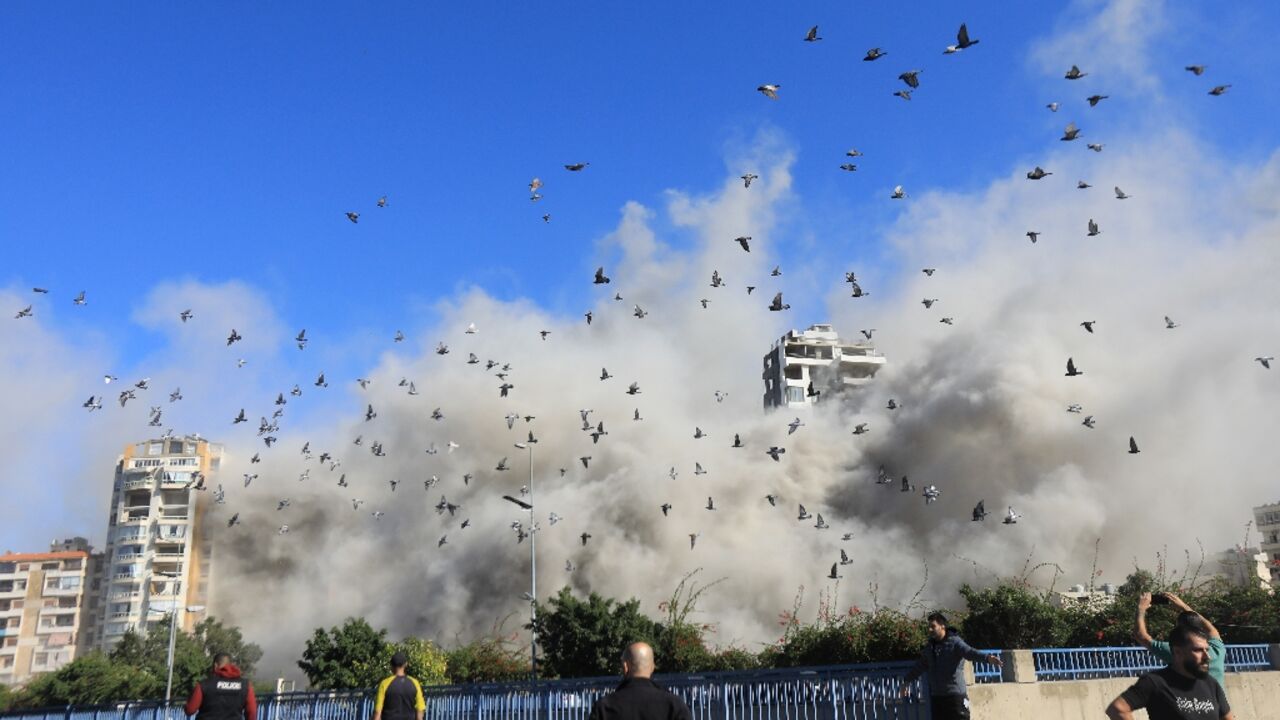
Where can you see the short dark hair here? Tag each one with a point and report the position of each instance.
(399, 660)
(221, 659)
(1180, 635)
(938, 618)
(1194, 621)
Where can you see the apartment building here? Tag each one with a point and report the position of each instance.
(1243, 567)
(158, 557)
(801, 367)
(44, 608)
(1267, 519)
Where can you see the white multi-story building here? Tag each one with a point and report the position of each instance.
(44, 609)
(1080, 596)
(802, 366)
(158, 557)
(1267, 519)
(1243, 567)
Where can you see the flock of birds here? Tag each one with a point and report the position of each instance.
(598, 429)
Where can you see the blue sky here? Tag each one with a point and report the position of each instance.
(226, 141)
(164, 143)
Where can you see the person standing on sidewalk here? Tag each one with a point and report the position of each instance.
(943, 660)
(1182, 691)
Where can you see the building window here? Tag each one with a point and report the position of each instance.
(795, 394)
(155, 448)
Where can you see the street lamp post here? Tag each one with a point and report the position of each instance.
(173, 627)
(533, 563)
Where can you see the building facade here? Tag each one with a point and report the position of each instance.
(158, 557)
(1244, 567)
(802, 366)
(1267, 520)
(46, 606)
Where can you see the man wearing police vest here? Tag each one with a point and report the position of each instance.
(224, 695)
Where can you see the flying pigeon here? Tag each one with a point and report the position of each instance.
(747, 178)
(860, 428)
(1095, 99)
(794, 425)
(1038, 173)
(898, 193)
(1096, 147)
(1219, 90)
(600, 278)
(844, 558)
(576, 167)
(803, 514)
(1074, 73)
(1265, 360)
(1169, 324)
(874, 53)
(1070, 133)
(774, 451)
(744, 241)
(1089, 422)
(1133, 446)
(1093, 228)
(833, 575)
(79, 299)
(777, 305)
(1082, 185)
(911, 78)
(1071, 368)
(962, 41)
(812, 35)
(234, 336)
(904, 94)
(1196, 69)
(980, 511)
(1011, 517)
(1121, 195)
(769, 91)
(666, 508)
(1053, 107)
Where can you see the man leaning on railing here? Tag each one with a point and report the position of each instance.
(943, 659)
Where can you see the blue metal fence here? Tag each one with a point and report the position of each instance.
(1104, 662)
(857, 692)
(850, 692)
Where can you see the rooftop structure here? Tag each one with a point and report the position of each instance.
(1243, 567)
(801, 367)
(1094, 598)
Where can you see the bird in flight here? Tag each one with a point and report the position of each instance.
(1219, 90)
(354, 217)
(980, 511)
(1070, 133)
(1093, 228)
(1074, 73)
(911, 78)
(1071, 368)
(962, 41)
(748, 178)
(1095, 99)
(1133, 446)
(770, 91)
(1121, 195)
(1033, 235)
(874, 53)
(1265, 360)
(1169, 324)
(1011, 517)
(833, 574)
(1089, 422)
(576, 167)
(1196, 69)
(812, 35)
(1038, 173)
(774, 451)
(777, 305)
(1088, 325)
(744, 241)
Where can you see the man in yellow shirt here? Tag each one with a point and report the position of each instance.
(399, 696)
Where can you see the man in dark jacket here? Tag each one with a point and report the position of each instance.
(224, 695)
(638, 697)
(943, 660)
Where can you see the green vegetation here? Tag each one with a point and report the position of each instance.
(583, 636)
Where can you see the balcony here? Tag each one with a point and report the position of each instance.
(60, 610)
(134, 521)
(170, 539)
(6, 594)
(61, 592)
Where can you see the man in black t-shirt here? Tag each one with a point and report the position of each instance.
(1182, 691)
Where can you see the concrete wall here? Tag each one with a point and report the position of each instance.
(1253, 696)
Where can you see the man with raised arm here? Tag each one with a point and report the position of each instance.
(1189, 618)
(1182, 691)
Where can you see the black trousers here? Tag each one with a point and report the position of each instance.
(949, 707)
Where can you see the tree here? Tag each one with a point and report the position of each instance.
(216, 638)
(149, 653)
(497, 657)
(1012, 615)
(585, 638)
(350, 656)
(91, 679)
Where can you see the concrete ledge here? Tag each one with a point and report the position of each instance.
(1254, 695)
